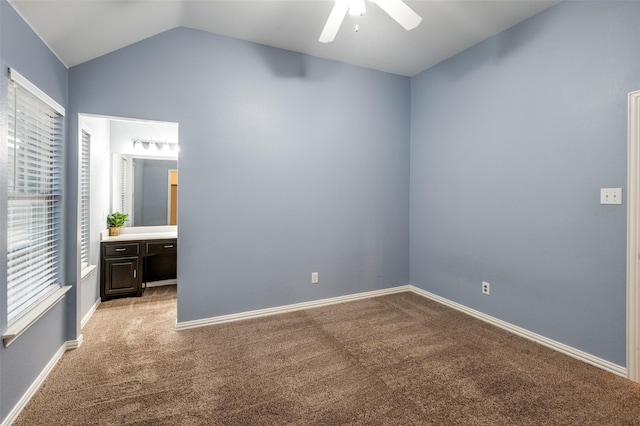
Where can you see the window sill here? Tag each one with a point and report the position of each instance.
(26, 320)
(86, 271)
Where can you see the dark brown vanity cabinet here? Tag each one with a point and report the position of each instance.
(160, 260)
(120, 270)
(126, 265)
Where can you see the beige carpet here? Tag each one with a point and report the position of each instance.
(393, 360)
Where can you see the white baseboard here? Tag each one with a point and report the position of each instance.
(74, 344)
(185, 325)
(88, 315)
(161, 283)
(519, 331)
(15, 412)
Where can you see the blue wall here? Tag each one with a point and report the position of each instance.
(289, 164)
(510, 142)
(22, 362)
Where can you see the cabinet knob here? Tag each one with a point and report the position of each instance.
(169, 246)
(121, 249)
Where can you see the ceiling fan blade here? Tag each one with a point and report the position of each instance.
(336, 17)
(402, 13)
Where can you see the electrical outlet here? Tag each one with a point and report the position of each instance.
(485, 287)
(314, 278)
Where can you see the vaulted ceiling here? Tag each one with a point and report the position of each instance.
(78, 31)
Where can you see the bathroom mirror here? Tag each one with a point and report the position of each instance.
(144, 171)
(146, 188)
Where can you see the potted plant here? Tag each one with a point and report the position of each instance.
(115, 222)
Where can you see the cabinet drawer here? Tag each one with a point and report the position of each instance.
(120, 249)
(170, 246)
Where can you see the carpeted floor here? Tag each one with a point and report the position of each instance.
(392, 360)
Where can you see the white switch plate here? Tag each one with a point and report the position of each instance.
(314, 278)
(610, 195)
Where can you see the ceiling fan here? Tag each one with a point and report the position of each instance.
(397, 9)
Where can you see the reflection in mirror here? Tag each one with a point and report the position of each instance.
(173, 198)
(148, 189)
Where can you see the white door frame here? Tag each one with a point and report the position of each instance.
(633, 237)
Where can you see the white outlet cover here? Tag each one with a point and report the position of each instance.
(610, 195)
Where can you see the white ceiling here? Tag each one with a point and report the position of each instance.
(80, 30)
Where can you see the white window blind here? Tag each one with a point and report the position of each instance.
(34, 196)
(85, 191)
(123, 185)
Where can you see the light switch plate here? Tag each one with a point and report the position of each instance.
(610, 195)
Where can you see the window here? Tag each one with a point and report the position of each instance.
(85, 191)
(34, 217)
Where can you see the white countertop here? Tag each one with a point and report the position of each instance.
(142, 233)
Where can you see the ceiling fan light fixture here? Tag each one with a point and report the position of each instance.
(396, 9)
(357, 8)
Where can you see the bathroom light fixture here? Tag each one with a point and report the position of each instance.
(157, 145)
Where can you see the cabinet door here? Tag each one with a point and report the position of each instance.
(122, 276)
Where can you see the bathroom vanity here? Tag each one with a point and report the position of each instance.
(139, 257)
